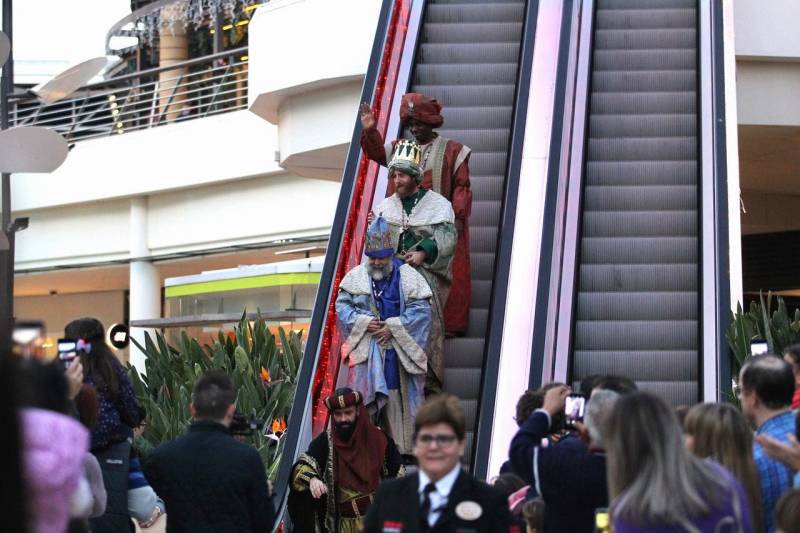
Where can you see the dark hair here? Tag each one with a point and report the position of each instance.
(11, 490)
(530, 401)
(87, 405)
(100, 365)
(42, 385)
(771, 378)
(142, 415)
(619, 384)
(507, 484)
(441, 409)
(533, 511)
(212, 395)
(793, 352)
(787, 511)
(589, 383)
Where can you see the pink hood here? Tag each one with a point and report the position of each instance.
(53, 448)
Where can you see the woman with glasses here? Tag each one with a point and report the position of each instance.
(441, 496)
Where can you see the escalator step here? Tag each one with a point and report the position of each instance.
(481, 266)
(644, 103)
(644, 364)
(639, 223)
(482, 163)
(477, 95)
(465, 74)
(481, 293)
(638, 277)
(641, 172)
(621, 126)
(617, 335)
(483, 12)
(640, 19)
(637, 305)
(631, 60)
(464, 352)
(463, 382)
(485, 213)
(474, 32)
(640, 198)
(675, 393)
(485, 187)
(647, 4)
(477, 117)
(638, 250)
(609, 81)
(476, 53)
(482, 239)
(638, 149)
(478, 318)
(645, 39)
(479, 140)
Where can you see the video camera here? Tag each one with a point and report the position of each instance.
(245, 426)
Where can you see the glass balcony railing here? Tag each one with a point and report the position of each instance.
(182, 91)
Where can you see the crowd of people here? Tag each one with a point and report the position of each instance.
(605, 457)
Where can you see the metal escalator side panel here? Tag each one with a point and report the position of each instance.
(716, 283)
(487, 395)
(317, 372)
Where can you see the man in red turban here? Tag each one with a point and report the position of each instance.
(334, 482)
(445, 165)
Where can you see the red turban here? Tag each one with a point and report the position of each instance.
(341, 401)
(422, 108)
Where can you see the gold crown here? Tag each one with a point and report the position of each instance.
(406, 151)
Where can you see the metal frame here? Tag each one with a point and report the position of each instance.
(714, 282)
(481, 446)
(545, 350)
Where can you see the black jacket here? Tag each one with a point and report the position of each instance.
(211, 483)
(397, 507)
(571, 477)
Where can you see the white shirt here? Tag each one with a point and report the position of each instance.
(439, 496)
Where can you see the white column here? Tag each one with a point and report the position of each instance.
(145, 281)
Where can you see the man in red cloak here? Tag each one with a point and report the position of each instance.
(333, 483)
(445, 165)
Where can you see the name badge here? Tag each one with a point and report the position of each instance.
(390, 526)
(469, 510)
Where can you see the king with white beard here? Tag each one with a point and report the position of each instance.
(383, 310)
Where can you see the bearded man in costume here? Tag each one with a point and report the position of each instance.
(383, 310)
(445, 166)
(423, 234)
(333, 483)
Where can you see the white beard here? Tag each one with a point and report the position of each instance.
(379, 273)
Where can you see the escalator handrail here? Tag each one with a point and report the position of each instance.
(502, 262)
(302, 400)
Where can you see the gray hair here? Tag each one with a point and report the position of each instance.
(598, 410)
(652, 479)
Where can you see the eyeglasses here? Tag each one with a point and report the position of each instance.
(441, 440)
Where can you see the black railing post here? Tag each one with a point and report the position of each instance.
(7, 255)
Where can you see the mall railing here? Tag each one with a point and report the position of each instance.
(188, 90)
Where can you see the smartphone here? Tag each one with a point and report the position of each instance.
(758, 347)
(67, 351)
(576, 404)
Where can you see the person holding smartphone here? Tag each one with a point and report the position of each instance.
(570, 476)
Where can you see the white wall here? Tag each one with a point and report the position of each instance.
(186, 154)
(58, 310)
(767, 29)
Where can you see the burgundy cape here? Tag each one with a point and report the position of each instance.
(455, 187)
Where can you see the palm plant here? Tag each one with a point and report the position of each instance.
(263, 373)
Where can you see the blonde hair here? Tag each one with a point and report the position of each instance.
(719, 431)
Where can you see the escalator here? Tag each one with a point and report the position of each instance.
(642, 293)
(469, 54)
(468, 59)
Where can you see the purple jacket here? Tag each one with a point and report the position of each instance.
(54, 447)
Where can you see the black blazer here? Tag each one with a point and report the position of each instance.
(396, 507)
(211, 482)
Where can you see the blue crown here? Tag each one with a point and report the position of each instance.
(379, 240)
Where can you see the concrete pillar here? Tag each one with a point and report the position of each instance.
(173, 48)
(145, 281)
